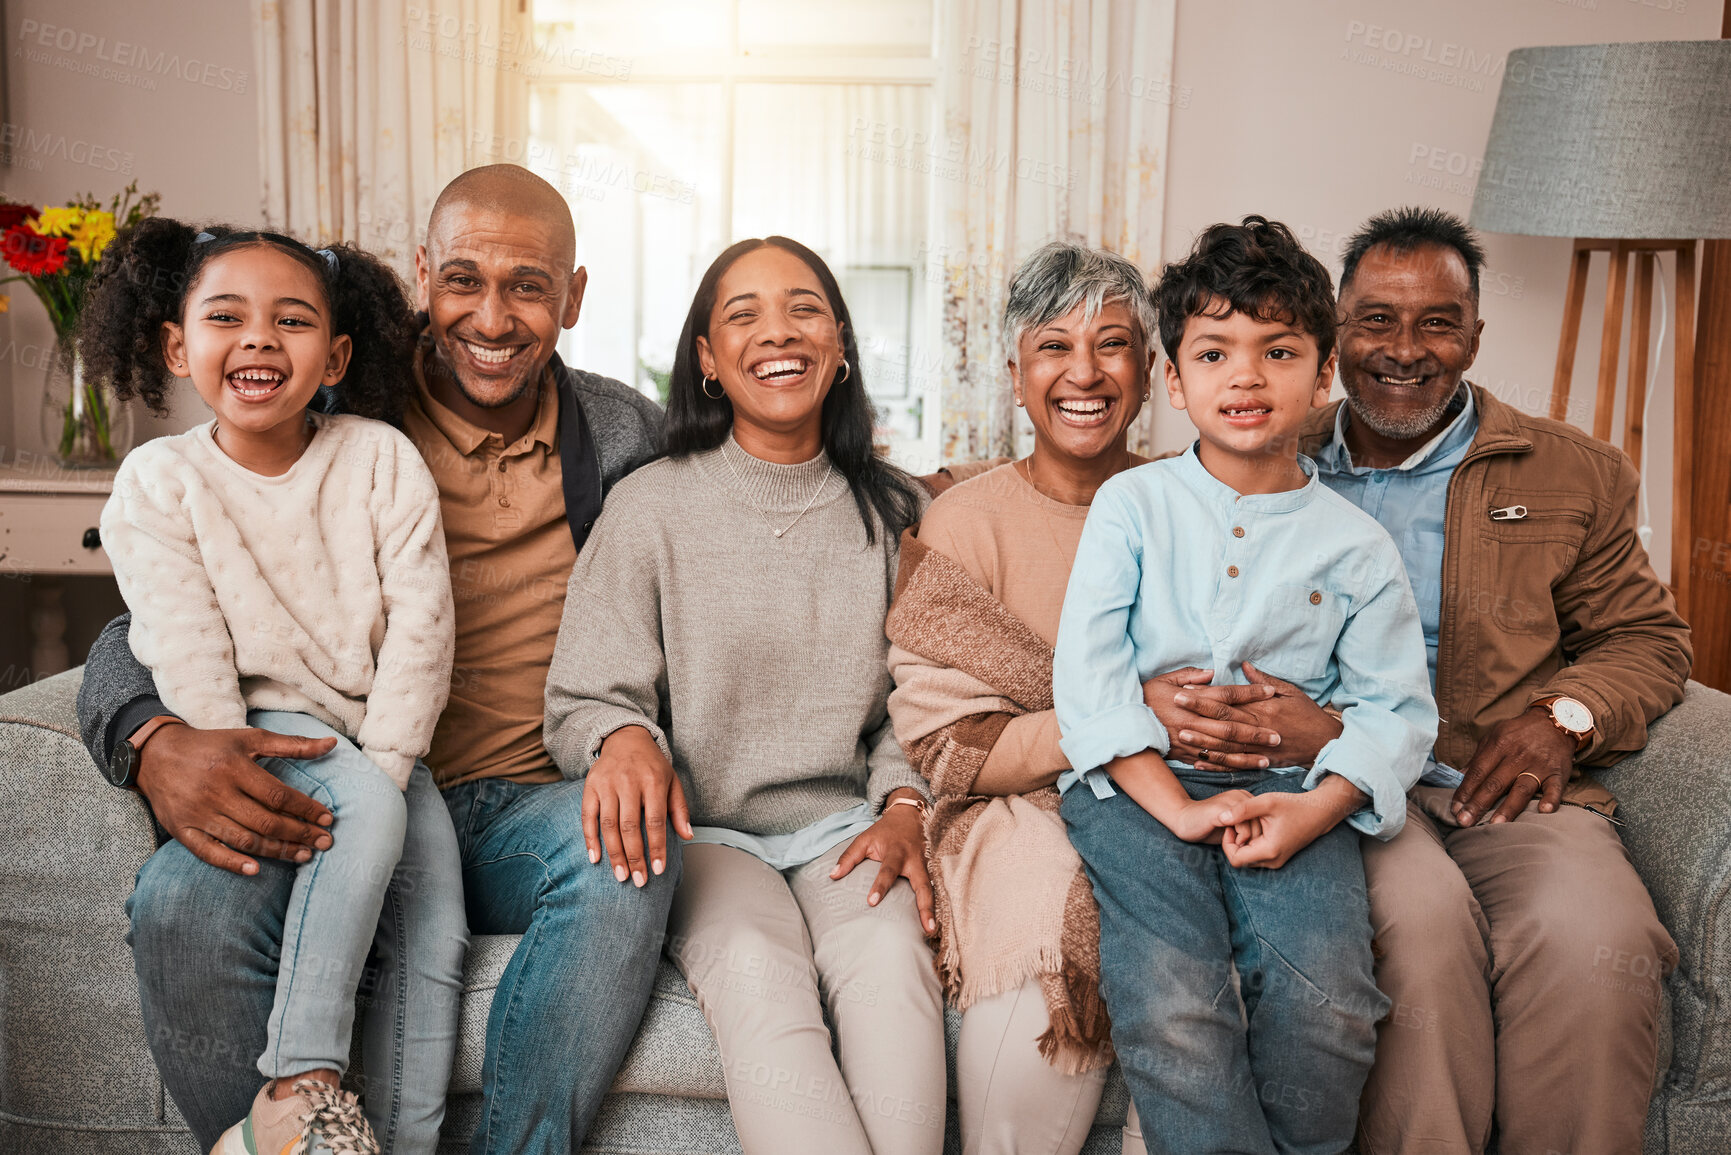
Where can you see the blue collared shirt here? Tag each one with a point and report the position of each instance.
(1411, 502)
(1177, 569)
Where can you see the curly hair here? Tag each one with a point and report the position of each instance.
(149, 271)
(1256, 268)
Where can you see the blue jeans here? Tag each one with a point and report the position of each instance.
(205, 943)
(208, 948)
(1281, 1074)
(334, 905)
(570, 1000)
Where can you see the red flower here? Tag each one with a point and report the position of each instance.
(15, 215)
(33, 254)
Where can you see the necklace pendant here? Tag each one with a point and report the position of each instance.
(779, 532)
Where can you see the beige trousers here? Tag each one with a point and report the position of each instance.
(1010, 1099)
(767, 952)
(1524, 963)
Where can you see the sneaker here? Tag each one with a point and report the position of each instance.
(317, 1119)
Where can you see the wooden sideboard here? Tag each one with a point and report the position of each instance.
(48, 529)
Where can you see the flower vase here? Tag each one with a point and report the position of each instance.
(83, 424)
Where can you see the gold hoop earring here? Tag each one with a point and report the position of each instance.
(708, 394)
(846, 372)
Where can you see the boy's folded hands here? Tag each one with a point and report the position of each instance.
(1278, 825)
(1263, 830)
(1200, 820)
(1266, 830)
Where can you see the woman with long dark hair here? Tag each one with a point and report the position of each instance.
(721, 669)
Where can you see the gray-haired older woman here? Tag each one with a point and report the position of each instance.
(978, 599)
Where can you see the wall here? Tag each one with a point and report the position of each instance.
(1323, 113)
(101, 93)
(1298, 111)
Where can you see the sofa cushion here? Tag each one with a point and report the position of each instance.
(674, 1053)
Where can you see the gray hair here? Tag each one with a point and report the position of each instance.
(1062, 275)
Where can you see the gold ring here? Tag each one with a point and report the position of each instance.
(1537, 781)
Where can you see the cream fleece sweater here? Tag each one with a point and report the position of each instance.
(324, 591)
(756, 661)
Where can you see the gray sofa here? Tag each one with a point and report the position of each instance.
(75, 1075)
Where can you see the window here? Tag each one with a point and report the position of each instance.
(675, 127)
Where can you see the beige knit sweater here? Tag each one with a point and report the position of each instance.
(323, 591)
(756, 661)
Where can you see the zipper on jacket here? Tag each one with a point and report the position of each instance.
(1523, 513)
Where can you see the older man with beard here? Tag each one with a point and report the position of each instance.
(1500, 908)
(1552, 646)
(523, 450)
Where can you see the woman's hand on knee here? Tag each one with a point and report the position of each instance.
(629, 796)
(898, 842)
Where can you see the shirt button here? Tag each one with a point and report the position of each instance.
(587, 526)
(1231, 571)
(1238, 531)
(501, 465)
(1315, 597)
(504, 501)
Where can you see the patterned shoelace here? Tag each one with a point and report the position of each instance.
(335, 1119)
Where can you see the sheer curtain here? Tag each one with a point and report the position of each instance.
(1056, 115)
(662, 174)
(861, 201)
(368, 107)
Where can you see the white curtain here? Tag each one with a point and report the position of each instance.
(1056, 113)
(367, 108)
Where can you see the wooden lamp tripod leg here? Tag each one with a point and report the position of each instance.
(1640, 338)
(1573, 303)
(1611, 341)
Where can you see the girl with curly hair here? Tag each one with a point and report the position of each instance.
(286, 570)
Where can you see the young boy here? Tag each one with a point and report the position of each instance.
(1234, 554)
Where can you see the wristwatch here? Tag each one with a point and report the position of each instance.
(123, 759)
(1571, 717)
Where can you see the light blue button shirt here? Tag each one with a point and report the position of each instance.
(1176, 569)
(1411, 502)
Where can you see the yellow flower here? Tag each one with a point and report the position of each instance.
(5, 302)
(93, 234)
(59, 222)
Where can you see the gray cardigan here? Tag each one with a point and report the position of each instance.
(733, 608)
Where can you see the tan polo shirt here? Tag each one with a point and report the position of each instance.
(511, 555)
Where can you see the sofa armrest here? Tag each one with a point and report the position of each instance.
(1675, 802)
(72, 1046)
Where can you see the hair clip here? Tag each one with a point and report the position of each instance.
(204, 238)
(330, 257)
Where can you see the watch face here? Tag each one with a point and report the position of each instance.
(120, 764)
(1571, 715)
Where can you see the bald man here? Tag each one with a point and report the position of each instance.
(523, 449)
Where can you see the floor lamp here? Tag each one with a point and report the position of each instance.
(1627, 149)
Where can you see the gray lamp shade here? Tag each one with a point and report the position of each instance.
(1628, 141)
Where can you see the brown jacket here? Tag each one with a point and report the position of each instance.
(1561, 600)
